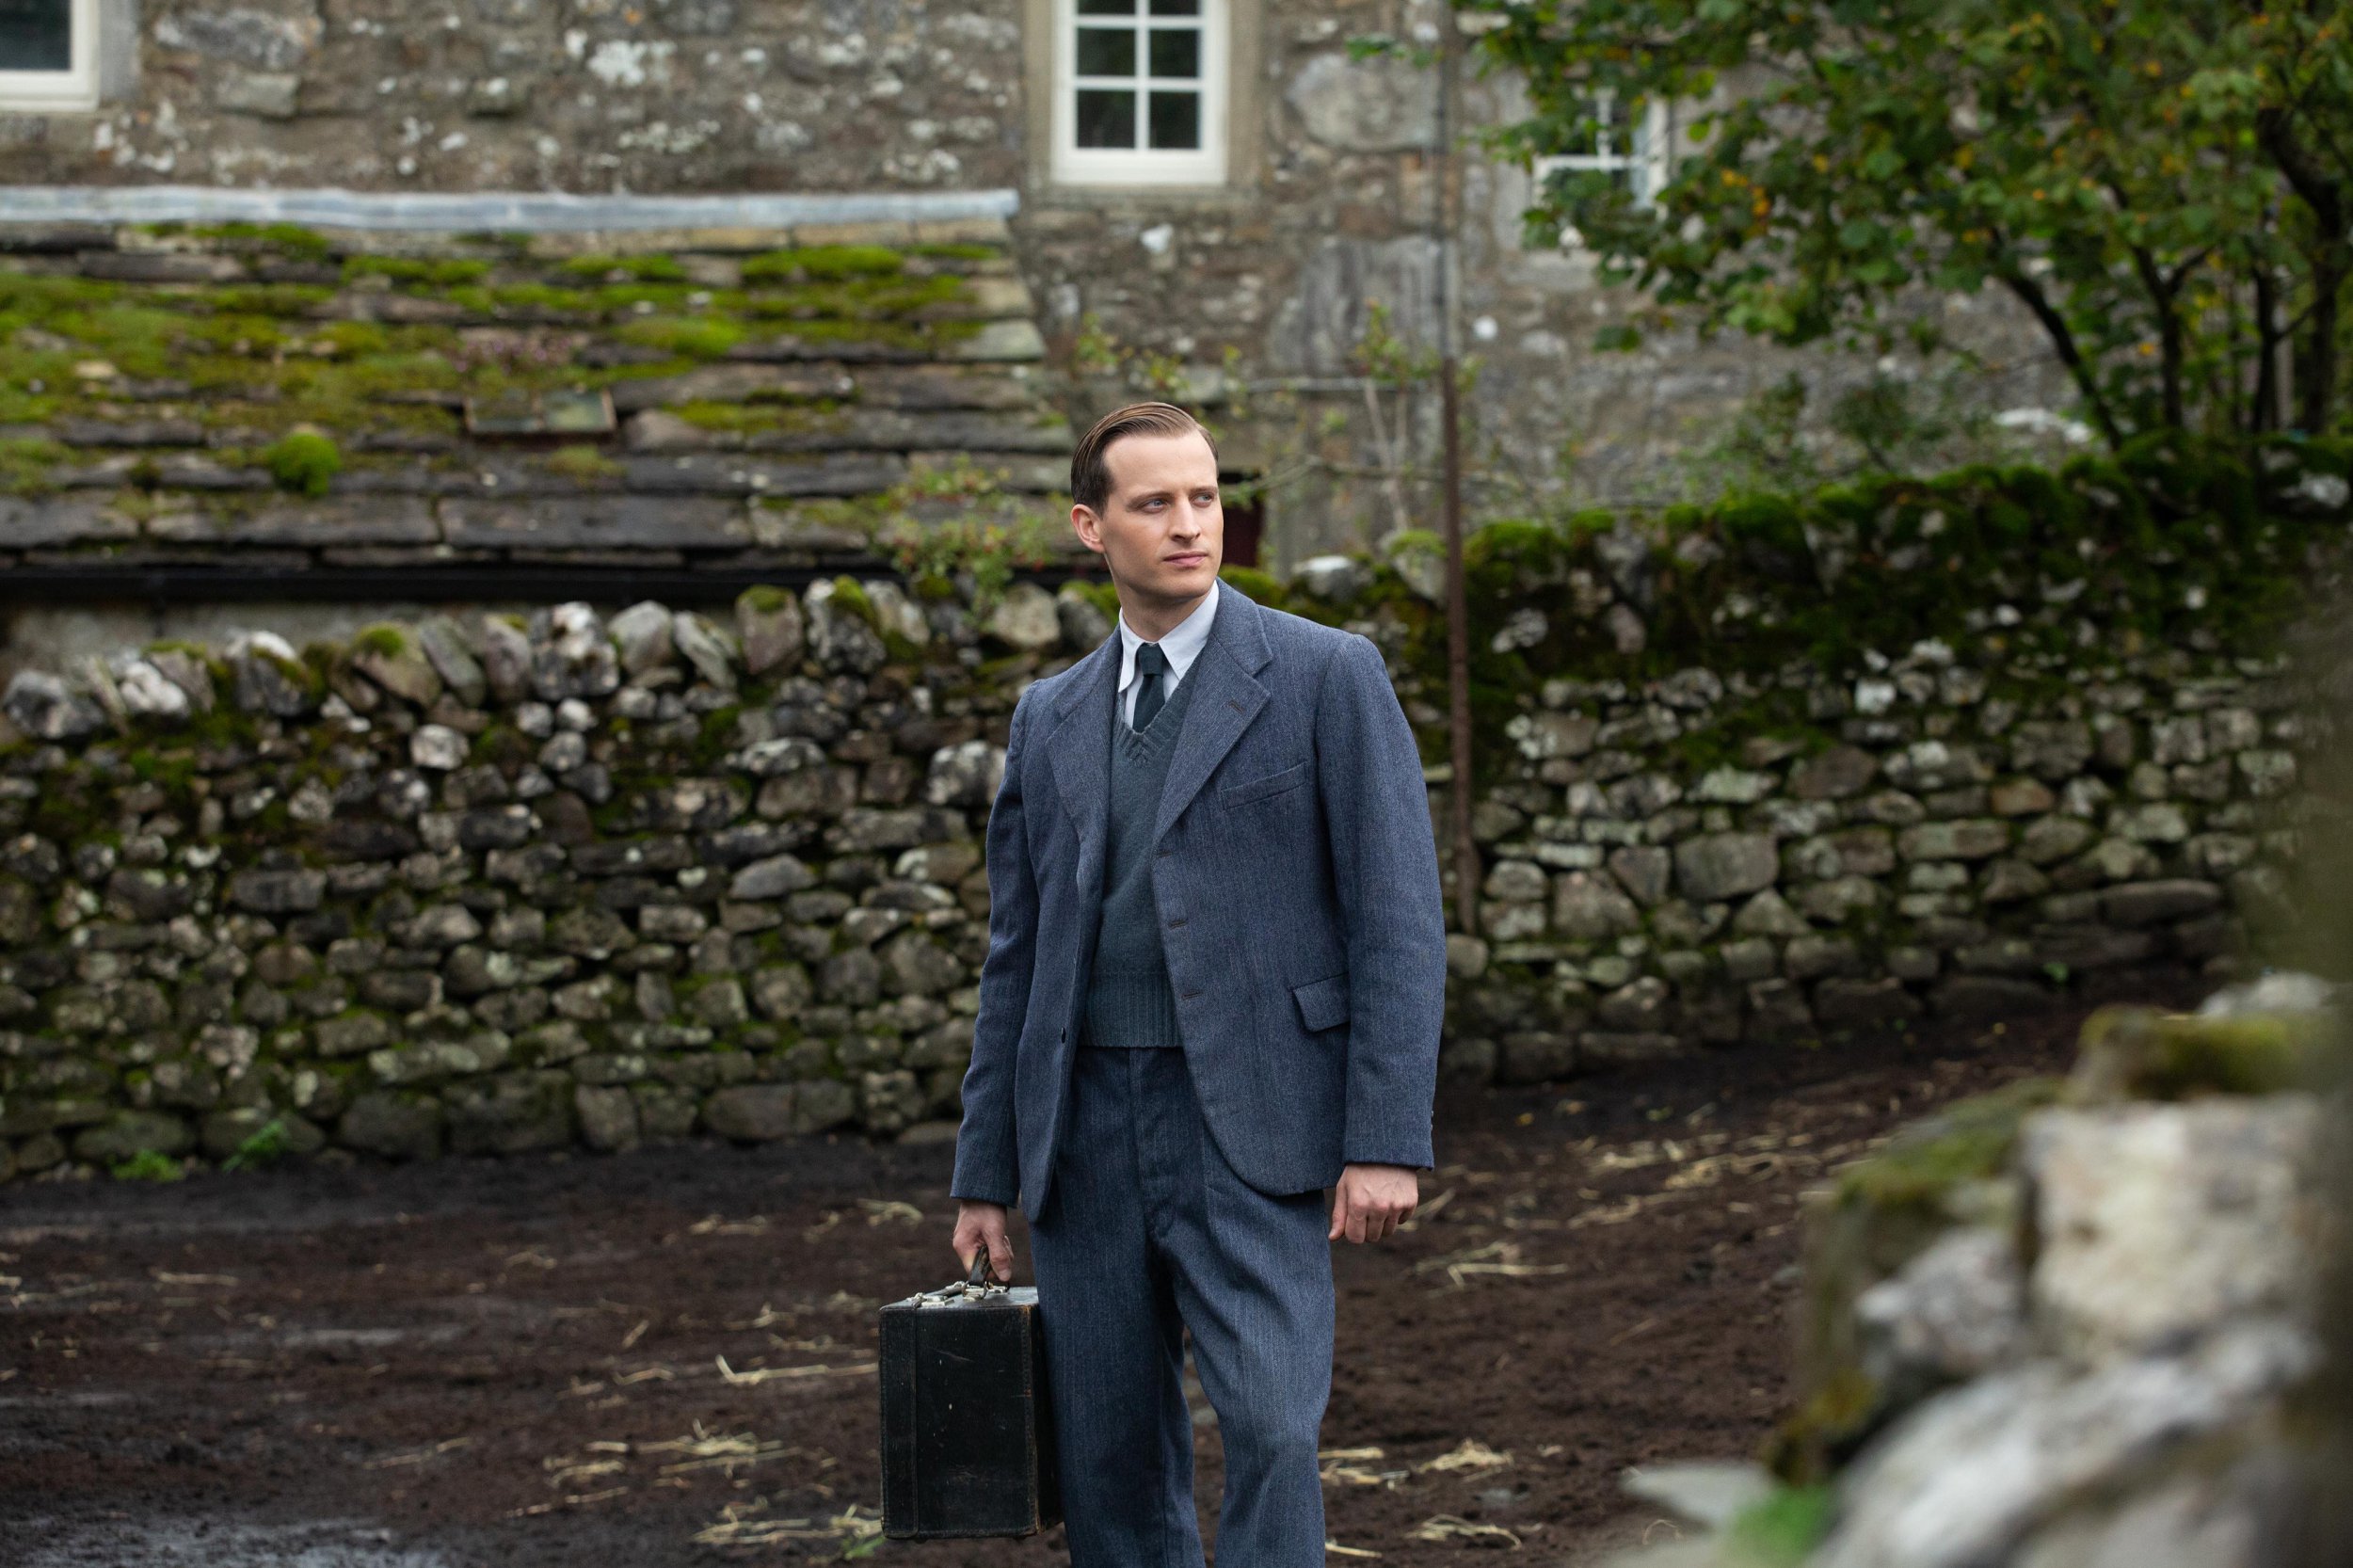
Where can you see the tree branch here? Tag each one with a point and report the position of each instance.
(2168, 331)
(2030, 294)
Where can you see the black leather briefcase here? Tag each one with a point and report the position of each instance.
(967, 1444)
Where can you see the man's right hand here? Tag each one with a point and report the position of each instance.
(981, 1226)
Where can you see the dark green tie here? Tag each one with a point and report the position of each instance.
(1150, 689)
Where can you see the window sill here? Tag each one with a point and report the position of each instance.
(49, 106)
(1048, 193)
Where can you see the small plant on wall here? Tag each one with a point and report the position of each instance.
(148, 1165)
(962, 522)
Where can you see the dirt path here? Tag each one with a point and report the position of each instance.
(519, 1363)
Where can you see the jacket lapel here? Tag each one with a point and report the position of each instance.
(1228, 697)
(1080, 751)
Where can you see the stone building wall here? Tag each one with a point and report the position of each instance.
(1252, 298)
(489, 886)
(577, 95)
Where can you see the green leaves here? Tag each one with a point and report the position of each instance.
(2165, 188)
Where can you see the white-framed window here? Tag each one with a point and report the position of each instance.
(1636, 151)
(1140, 92)
(48, 55)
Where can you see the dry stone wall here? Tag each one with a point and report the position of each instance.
(493, 887)
(2083, 1321)
(489, 886)
(2074, 1321)
(1952, 852)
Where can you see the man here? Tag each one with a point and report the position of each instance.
(1216, 969)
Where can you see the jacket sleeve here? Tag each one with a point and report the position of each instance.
(987, 1160)
(1384, 864)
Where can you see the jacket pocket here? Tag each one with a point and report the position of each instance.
(1322, 1003)
(1235, 795)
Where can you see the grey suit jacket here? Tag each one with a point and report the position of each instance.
(1296, 876)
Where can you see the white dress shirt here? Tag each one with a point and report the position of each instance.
(1182, 645)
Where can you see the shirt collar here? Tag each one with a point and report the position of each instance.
(1182, 643)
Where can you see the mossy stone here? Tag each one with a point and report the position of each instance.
(585, 464)
(2140, 1053)
(1880, 1214)
(390, 655)
(850, 596)
(126, 1134)
(1969, 1141)
(27, 462)
(770, 628)
(824, 261)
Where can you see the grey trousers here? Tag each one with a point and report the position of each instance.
(1147, 1233)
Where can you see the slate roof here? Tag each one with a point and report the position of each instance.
(518, 409)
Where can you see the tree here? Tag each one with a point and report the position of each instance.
(2164, 184)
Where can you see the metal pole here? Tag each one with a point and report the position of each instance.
(1466, 874)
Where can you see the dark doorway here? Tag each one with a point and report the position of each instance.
(1245, 520)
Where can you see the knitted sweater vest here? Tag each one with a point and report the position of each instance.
(1129, 1001)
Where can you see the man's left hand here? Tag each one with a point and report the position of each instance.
(1371, 1201)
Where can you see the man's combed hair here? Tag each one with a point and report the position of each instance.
(1090, 480)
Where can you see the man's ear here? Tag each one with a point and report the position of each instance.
(1089, 526)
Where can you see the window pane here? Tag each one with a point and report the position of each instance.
(1106, 119)
(1177, 122)
(1107, 51)
(1615, 139)
(1176, 51)
(36, 35)
(1176, 8)
(1107, 8)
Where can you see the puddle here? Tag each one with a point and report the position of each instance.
(200, 1543)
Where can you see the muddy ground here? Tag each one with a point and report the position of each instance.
(665, 1358)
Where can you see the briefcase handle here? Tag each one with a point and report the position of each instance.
(977, 1283)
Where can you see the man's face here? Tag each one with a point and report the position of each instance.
(1163, 528)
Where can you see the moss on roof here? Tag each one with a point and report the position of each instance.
(184, 356)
